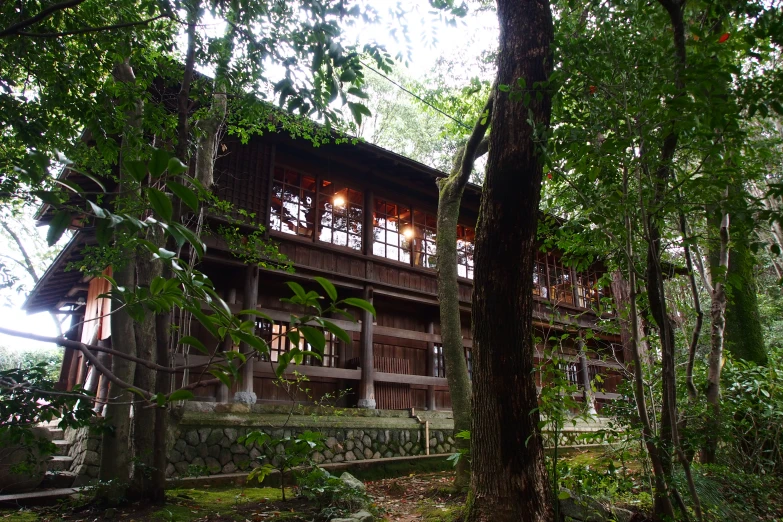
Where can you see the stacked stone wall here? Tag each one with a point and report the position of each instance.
(212, 450)
(85, 450)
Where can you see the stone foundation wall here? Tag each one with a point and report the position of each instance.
(85, 451)
(214, 450)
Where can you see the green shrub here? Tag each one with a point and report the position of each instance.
(333, 497)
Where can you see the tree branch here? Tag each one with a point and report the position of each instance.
(46, 13)
(93, 29)
(476, 143)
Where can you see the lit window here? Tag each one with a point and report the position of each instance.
(340, 215)
(466, 238)
(438, 363)
(392, 231)
(540, 284)
(424, 231)
(293, 203)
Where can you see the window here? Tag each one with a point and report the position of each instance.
(466, 237)
(560, 285)
(392, 231)
(588, 292)
(438, 363)
(540, 284)
(424, 231)
(293, 203)
(275, 336)
(340, 215)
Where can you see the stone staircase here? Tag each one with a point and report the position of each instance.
(58, 474)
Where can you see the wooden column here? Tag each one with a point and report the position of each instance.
(249, 302)
(585, 375)
(368, 236)
(431, 368)
(223, 392)
(367, 383)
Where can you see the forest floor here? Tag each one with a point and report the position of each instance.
(417, 497)
(428, 497)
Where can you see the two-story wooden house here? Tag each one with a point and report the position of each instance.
(365, 218)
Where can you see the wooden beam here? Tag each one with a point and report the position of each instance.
(402, 378)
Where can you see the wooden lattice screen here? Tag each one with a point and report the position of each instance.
(389, 395)
(241, 177)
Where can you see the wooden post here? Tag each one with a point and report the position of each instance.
(223, 392)
(368, 235)
(431, 368)
(249, 302)
(585, 375)
(367, 383)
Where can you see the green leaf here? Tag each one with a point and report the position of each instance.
(337, 331)
(256, 313)
(360, 303)
(327, 285)
(297, 289)
(192, 341)
(563, 495)
(136, 169)
(175, 166)
(98, 211)
(314, 337)
(221, 376)
(57, 226)
(181, 395)
(188, 196)
(159, 162)
(161, 203)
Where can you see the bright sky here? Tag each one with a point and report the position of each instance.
(429, 39)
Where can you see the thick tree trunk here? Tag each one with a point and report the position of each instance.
(450, 197)
(509, 479)
(116, 450)
(744, 337)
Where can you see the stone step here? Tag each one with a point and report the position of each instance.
(58, 480)
(57, 434)
(62, 447)
(59, 463)
(36, 498)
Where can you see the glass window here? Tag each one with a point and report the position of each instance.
(424, 229)
(588, 292)
(540, 285)
(466, 238)
(340, 215)
(392, 231)
(560, 285)
(293, 203)
(275, 336)
(438, 363)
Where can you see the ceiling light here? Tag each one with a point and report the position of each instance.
(339, 201)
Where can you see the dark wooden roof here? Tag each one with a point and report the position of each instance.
(58, 287)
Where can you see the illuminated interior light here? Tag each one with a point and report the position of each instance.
(408, 233)
(339, 201)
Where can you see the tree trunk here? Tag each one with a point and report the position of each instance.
(450, 197)
(717, 314)
(744, 337)
(116, 450)
(509, 479)
(144, 414)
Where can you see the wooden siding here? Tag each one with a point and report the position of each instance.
(242, 173)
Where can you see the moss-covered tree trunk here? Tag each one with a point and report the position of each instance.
(450, 197)
(509, 481)
(744, 337)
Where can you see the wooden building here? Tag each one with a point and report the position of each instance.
(365, 218)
